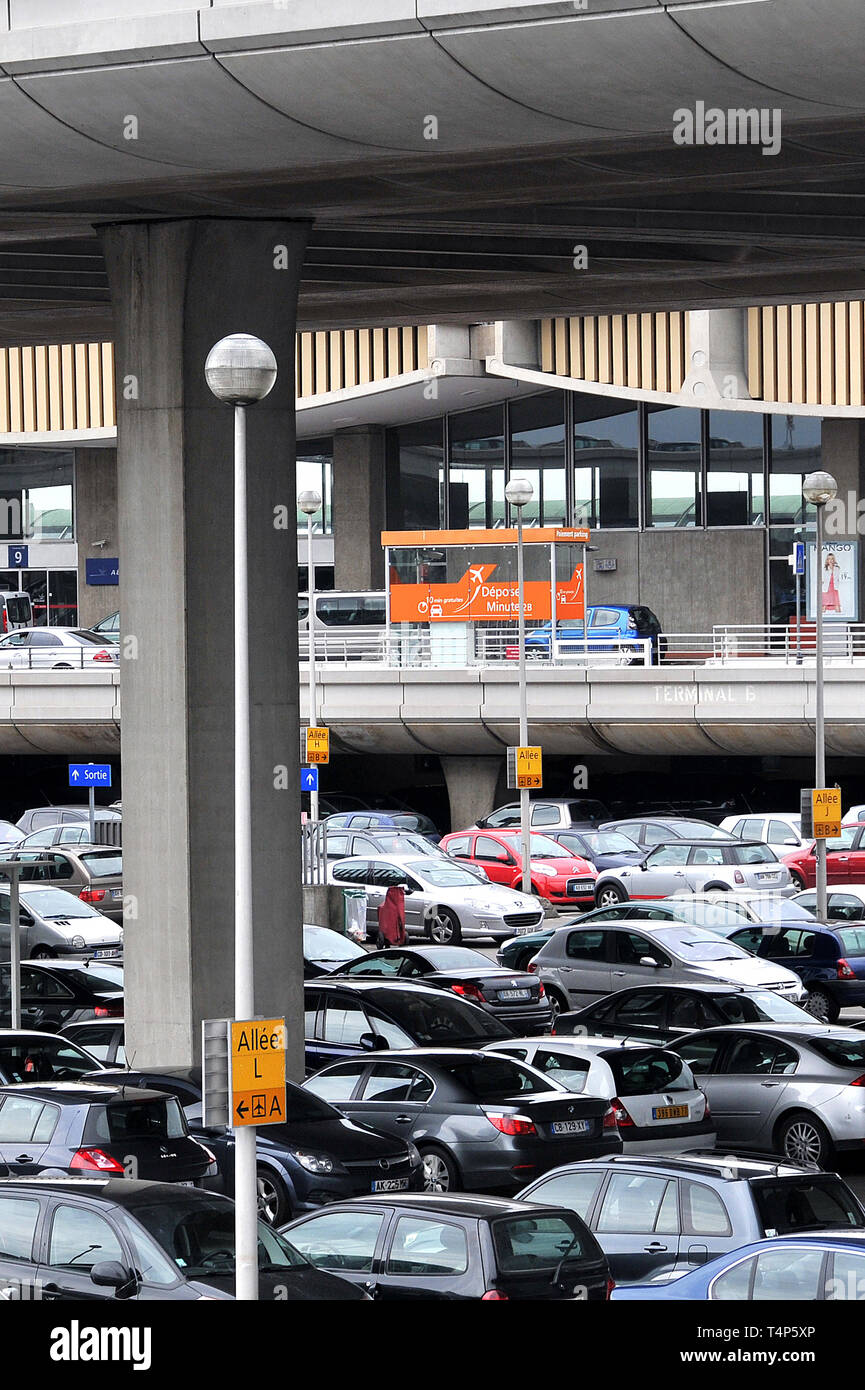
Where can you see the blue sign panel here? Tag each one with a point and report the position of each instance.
(799, 557)
(104, 571)
(19, 557)
(90, 774)
(309, 779)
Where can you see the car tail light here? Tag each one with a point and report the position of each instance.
(532, 967)
(512, 1124)
(846, 971)
(469, 992)
(610, 1121)
(860, 1081)
(707, 1111)
(494, 1296)
(92, 895)
(102, 656)
(738, 876)
(623, 1119)
(108, 1011)
(541, 990)
(611, 1284)
(94, 1160)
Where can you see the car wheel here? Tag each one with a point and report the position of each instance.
(43, 953)
(443, 927)
(804, 1139)
(717, 888)
(558, 1002)
(797, 878)
(439, 1171)
(271, 1196)
(610, 895)
(61, 666)
(822, 1006)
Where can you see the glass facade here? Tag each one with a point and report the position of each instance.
(537, 452)
(735, 486)
(476, 468)
(53, 594)
(420, 453)
(674, 448)
(606, 437)
(36, 490)
(315, 471)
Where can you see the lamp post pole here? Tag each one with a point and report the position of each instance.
(819, 488)
(240, 370)
(309, 503)
(519, 492)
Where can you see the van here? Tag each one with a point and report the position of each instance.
(16, 609)
(346, 619)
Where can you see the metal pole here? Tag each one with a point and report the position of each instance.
(525, 831)
(15, 946)
(585, 602)
(798, 606)
(820, 742)
(313, 713)
(91, 797)
(245, 1188)
(553, 606)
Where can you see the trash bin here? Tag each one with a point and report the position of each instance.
(354, 913)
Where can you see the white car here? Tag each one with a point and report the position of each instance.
(716, 911)
(698, 865)
(55, 648)
(778, 829)
(845, 902)
(55, 923)
(658, 1105)
(853, 816)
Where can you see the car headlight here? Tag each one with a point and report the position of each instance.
(316, 1163)
(414, 1155)
(79, 943)
(543, 869)
(496, 909)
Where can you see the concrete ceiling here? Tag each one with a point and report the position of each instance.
(554, 129)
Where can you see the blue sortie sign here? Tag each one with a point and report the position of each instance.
(309, 779)
(90, 774)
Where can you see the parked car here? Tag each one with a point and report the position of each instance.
(790, 1269)
(315, 1157)
(779, 829)
(609, 625)
(519, 1000)
(845, 904)
(703, 865)
(107, 629)
(130, 1240)
(556, 874)
(582, 963)
(853, 815)
(93, 873)
(326, 952)
(384, 820)
(351, 1018)
(658, 1105)
(480, 1121)
(54, 923)
(9, 834)
(63, 991)
(845, 858)
(830, 961)
(547, 813)
(56, 1127)
(27, 1056)
(345, 844)
(103, 1038)
(39, 817)
(517, 951)
(456, 1247)
(647, 831)
(56, 835)
(716, 911)
(444, 902)
(657, 1215)
(55, 648)
(795, 1091)
(664, 1013)
(606, 849)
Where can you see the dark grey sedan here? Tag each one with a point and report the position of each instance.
(480, 1121)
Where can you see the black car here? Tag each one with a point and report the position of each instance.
(317, 1156)
(456, 1247)
(346, 1018)
(326, 951)
(517, 999)
(27, 1056)
(606, 849)
(132, 1240)
(102, 1038)
(662, 1013)
(89, 1129)
(63, 991)
(480, 1120)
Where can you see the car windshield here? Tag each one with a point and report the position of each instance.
(301, 1107)
(790, 1206)
(52, 903)
(43, 1059)
(199, 1236)
(843, 1052)
(98, 977)
(136, 1119)
(527, 1243)
(698, 945)
(752, 854)
(699, 830)
(440, 1020)
(411, 822)
(321, 943)
(443, 875)
(852, 940)
(457, 958)
(542, 847)
(778, 910)
(103, 865)
(401, 842)
(713, 916)
(496, 1080)
(759, 1006)
(609, 842)
(646, 1071)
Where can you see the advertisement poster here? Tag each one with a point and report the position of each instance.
(477, 597)
(838, 581)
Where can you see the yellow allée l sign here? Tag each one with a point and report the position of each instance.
(258, 1072)
(529, 772)
(826, 812)
(317, 744)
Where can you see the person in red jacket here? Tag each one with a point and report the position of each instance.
(391, 918)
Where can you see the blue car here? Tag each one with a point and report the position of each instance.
(795, 1269)
(609, 624)
(829, 960)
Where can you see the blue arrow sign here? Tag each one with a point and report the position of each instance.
(309, 779)
(799, 557)
(90, 774)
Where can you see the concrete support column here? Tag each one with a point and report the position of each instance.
(177, 288)
(471, 784)
(95, 529)
(717, 361)
(359, 487)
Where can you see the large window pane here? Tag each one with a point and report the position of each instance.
(674, 460)
(734, 484)
(62, 598)
(36, 495)
(606, 479)
(315, 471)
(476, 482)
(421, 474)
(795, 452)
(538, 453)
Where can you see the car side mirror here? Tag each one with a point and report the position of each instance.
(111, 1274)
(650, 960)
(373, 1042)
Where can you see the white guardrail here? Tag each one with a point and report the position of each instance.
(763, 645)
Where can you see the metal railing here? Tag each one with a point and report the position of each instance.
(313, 853)
(60, 658)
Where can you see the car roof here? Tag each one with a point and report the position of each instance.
(726, 1167)
(190, 1074)
(125, 1192)
(355, 982)
(791, 1032)
(696, 986)
(25, 1035)
(76, 1092)
(87, 1023)
(574, 1042)
(469, 1204)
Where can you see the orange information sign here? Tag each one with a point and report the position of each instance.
(478, 597)
(258, 1072)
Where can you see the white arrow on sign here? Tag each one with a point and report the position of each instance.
(75, 774)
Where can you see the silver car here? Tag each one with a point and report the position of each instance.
(584, 962)
(701, 865)
(443, 901)
(54, 923)
(795, 1091)
(55, 648)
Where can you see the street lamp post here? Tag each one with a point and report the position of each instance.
(519, 493)
(309, 503)
(240, 370)
(819, 488)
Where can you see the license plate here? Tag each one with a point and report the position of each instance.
(515, 994)
(767, 878)
(185, 1182)
(390, 1185)
(117, 892)
(579, 885)
(106, 954)
(669, 1112)
(570, 1127)
(524, 931)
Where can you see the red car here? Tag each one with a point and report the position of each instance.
(557, 874)
(845, 859)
